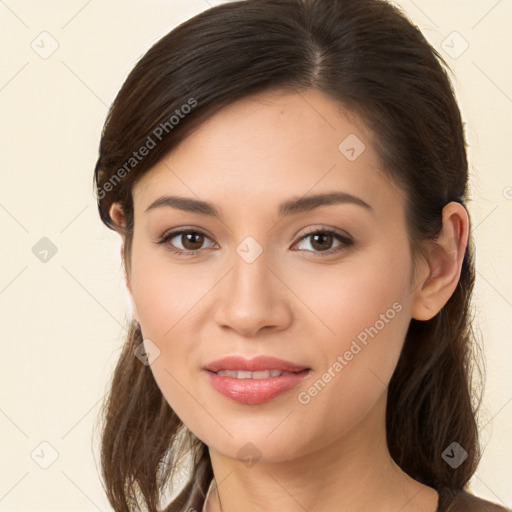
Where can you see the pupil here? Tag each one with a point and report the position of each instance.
(325, 237)
(191, 238)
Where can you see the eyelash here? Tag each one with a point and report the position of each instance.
(345, 241)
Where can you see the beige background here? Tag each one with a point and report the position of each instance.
(63, 320)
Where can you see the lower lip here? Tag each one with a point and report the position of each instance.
(255, 391)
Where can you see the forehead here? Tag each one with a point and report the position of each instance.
(269, 147)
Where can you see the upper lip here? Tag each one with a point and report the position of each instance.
(260, 363)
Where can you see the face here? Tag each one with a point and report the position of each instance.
(324, 284)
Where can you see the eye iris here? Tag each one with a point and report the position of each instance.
(196, 239)
(323, 237)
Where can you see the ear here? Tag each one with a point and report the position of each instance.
(117, 215)
(443, 264)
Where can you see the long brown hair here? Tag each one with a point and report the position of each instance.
(366, 55)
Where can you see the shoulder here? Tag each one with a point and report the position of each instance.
(456, 500)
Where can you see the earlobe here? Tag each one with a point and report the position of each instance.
(444, 261)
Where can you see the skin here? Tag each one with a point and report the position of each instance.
(291, 302)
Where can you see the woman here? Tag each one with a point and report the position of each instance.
(289, 180)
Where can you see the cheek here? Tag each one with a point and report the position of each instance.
(359, 321)
(348, 298)
(165, 294)
(168, 298)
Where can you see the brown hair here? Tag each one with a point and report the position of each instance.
(367, 56)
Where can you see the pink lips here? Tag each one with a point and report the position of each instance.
(254, 391)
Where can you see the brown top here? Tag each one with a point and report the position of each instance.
(453, 500)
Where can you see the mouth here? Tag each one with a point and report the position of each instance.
(254, 381)
(254, 368)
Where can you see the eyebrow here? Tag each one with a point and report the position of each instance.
(290, 207)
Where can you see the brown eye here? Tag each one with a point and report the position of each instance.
(185, 241)
(322, 241)
(192, 241)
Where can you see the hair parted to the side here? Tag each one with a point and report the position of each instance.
(367, 56)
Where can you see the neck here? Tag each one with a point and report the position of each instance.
(353, 473)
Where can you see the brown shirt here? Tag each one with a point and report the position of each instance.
(453, 500)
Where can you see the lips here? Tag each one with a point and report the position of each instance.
(257, 364)
(254, 381)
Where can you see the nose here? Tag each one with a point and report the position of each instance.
(253, 298)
